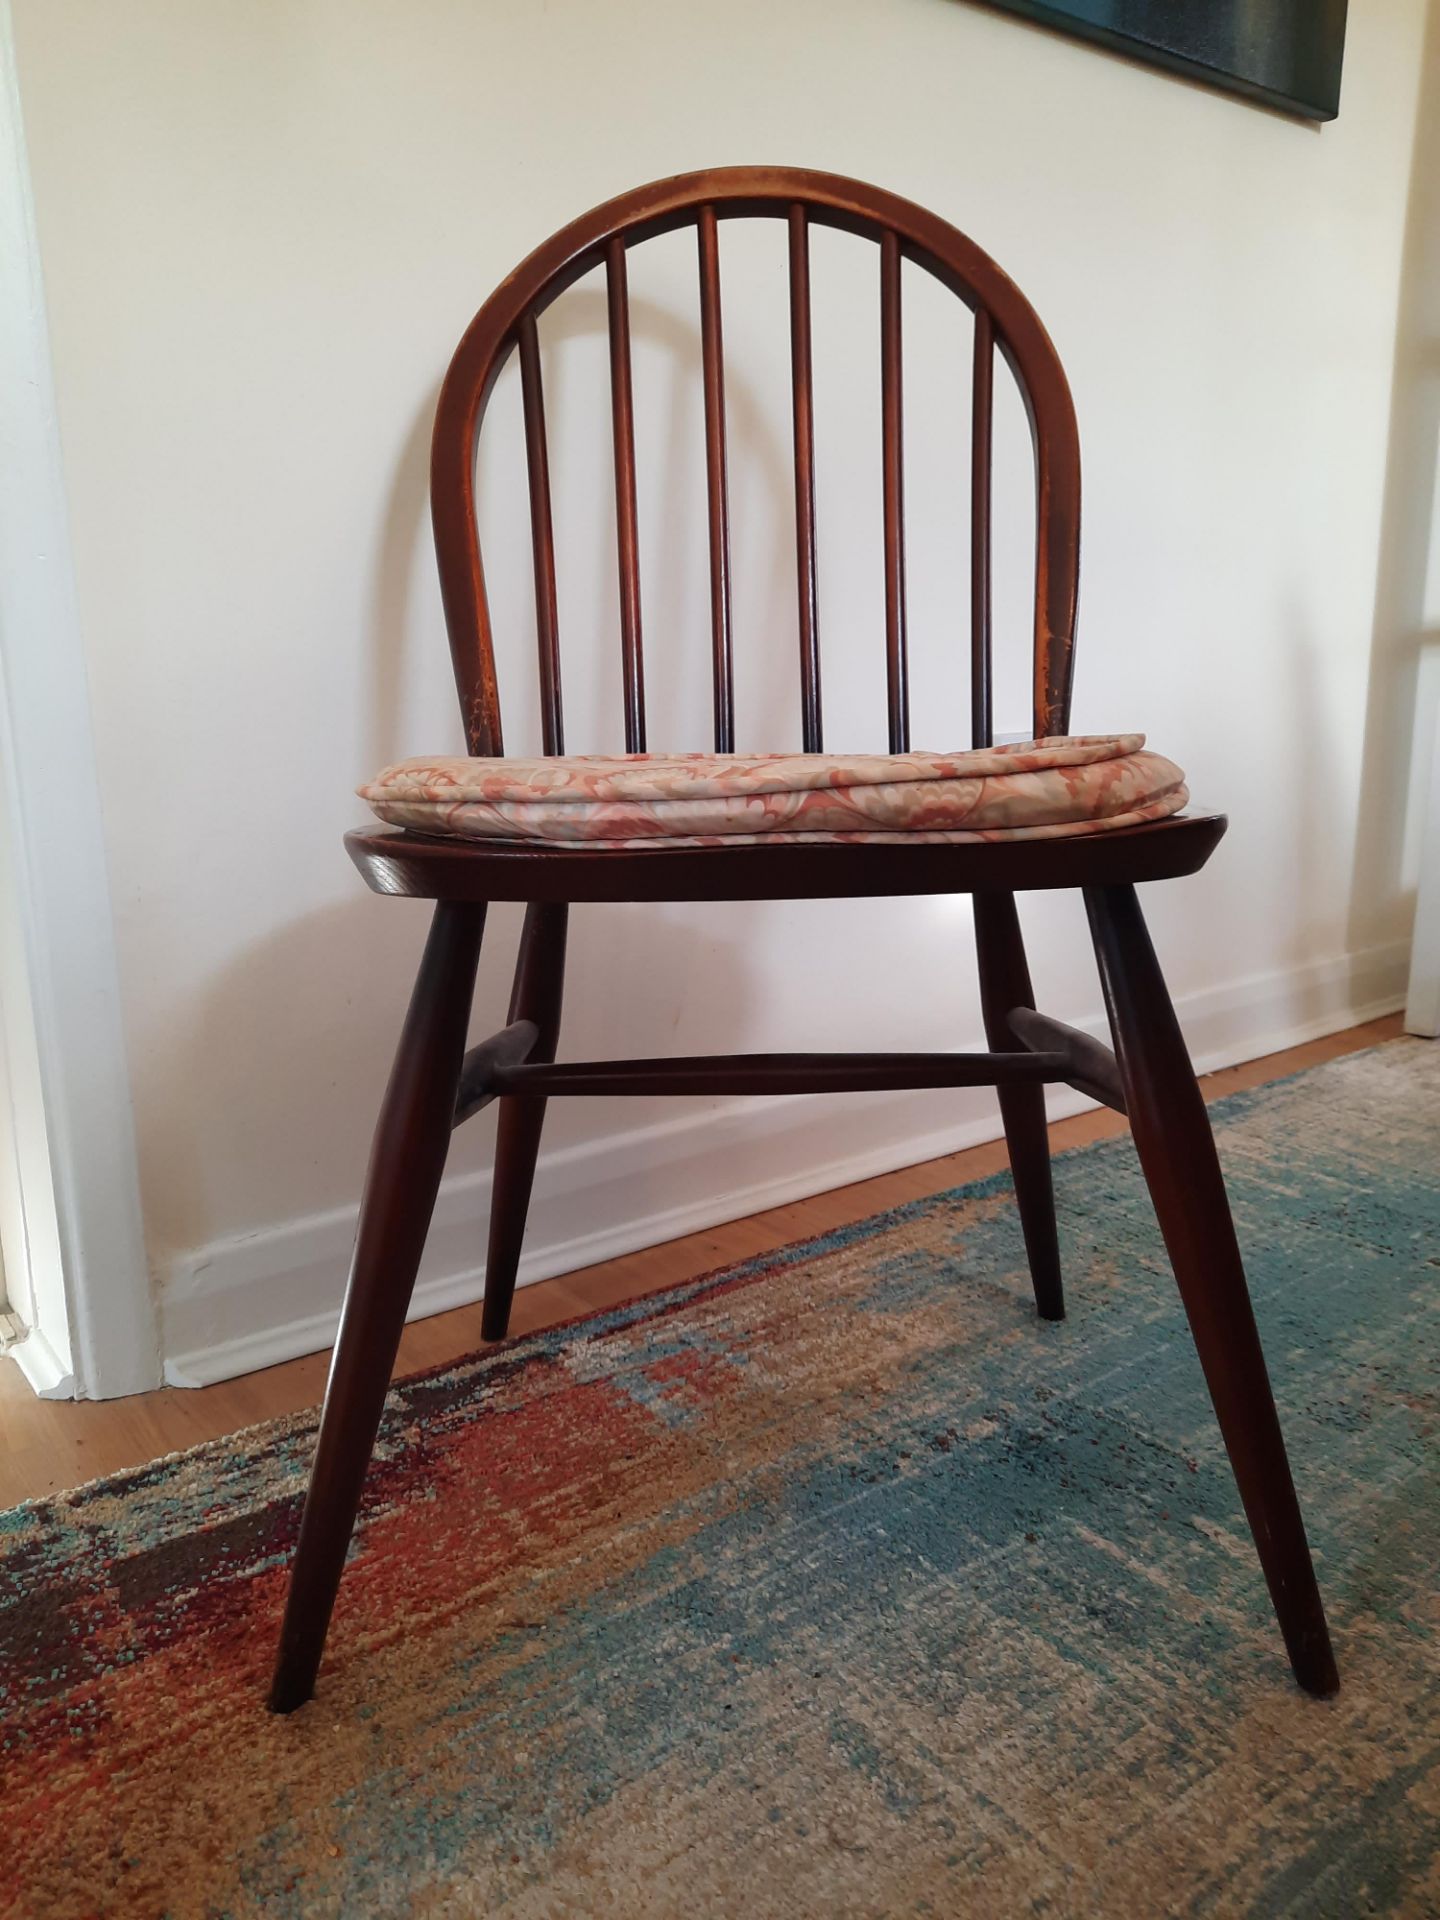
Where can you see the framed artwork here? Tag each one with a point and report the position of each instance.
(1284, 52)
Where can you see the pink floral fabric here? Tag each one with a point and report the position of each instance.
(1041, 789)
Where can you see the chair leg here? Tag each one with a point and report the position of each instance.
(1177, 1153)
(1005, 983)
(406, 1162)
(539, 985)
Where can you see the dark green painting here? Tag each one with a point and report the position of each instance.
(1284, 52)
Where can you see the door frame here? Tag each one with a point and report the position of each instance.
(1422, 1001)
(85, 1284)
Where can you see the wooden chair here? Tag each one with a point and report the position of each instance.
(435, 1084)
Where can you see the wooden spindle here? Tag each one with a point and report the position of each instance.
(893, 431)
(716, 481)
(981, 413)
(1057, 573)
(803, 397)
(542, 538)
(622, 410)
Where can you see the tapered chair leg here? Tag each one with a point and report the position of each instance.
(1177, 1153)
(1005, 983)
(406, 1162)
(539, 986)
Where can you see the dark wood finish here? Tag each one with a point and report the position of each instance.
(1093, 1070)
(542, 539)
(414, 865)
(1005, 985)
(892, 433)
(803, 199)
(717, 485)
(480, 1071)
(436, 1085)
(745, 1073)
(535, 998)
(982, 412)
(803, 409)
(406, 1162)
(627, 536)
(1177, 1153)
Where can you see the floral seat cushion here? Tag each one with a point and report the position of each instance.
(1041, 789)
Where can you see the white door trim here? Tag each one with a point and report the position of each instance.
(88, 1288)
(1422, 1003)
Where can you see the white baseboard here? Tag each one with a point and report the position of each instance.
(250, 1302)
(49, 1377)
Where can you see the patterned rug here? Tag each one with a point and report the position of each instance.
(835, 1584)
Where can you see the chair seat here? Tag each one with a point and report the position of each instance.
(1037, 790)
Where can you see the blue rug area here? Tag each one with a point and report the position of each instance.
(834, 1584)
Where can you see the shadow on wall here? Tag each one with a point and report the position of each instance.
(1397, 736)
(671, 559)
(1317, 743)
(333, 1055)
(400, 542)
(326, 1066)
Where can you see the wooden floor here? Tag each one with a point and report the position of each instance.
(48, 1444)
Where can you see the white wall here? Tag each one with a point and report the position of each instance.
(264, 227)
